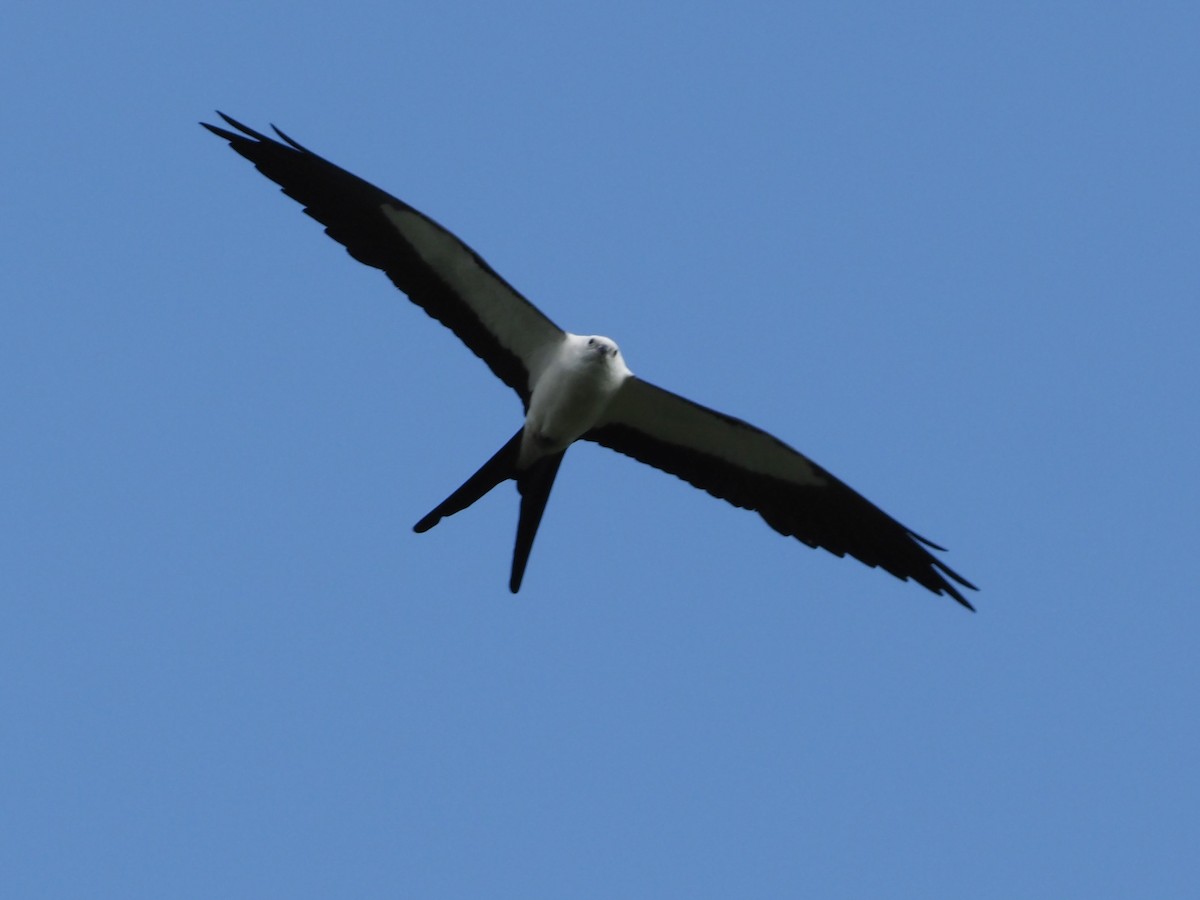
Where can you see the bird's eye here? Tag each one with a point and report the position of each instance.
(591, 342)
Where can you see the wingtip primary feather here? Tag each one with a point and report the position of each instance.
(247, 133)
(289, 141)
(245, 129)
(947, 588)
(953, 592)
(220, 132)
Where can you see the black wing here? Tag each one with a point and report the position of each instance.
(437, 271)
(749, 468)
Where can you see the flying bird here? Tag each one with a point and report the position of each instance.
(578, 387)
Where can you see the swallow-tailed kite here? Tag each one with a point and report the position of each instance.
(574, 386)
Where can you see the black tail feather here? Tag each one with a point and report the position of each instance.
(501, 467)
(534, 484)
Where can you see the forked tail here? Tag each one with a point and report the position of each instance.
(533, 484)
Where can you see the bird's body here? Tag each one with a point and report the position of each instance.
(571, 394)
(576, 387)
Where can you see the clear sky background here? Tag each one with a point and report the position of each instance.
(948, 250)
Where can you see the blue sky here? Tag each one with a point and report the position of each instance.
(947, 250)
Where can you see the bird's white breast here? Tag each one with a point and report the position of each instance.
(571, 393)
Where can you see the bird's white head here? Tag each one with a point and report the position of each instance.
(603, 348)
(598, 356)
